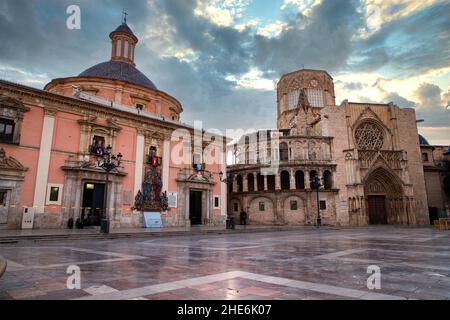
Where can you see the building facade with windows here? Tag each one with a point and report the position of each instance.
(367, 157)
(436, 164)
(50, 141)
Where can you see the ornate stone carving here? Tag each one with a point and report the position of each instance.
(9, 163)
(369, 136)
(304, 123)
(151, 198)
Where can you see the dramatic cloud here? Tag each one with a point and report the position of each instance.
(222, 62)
(321, 40)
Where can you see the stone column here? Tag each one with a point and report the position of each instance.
(277, 181)
(223, 186)
(306, 179)
(166, 165)
(44, 161)
(255, 176)
(235, 184)
(265, 183)
(245, 183)
(139, 158)
(292, 179)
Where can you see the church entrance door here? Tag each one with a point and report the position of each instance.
(195, 210)
(377, 210)
(93, 196)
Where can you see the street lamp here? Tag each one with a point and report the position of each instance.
(315, 185)
(108, 162)
(227, 180)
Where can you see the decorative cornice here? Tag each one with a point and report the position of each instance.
(80, 107)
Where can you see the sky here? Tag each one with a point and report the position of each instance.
(222, 59)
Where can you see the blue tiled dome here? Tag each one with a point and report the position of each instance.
(423, 141)
(118, 70)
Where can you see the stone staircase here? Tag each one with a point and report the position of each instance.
(10, 239)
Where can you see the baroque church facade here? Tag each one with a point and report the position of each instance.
(366, 156)
(51, 141)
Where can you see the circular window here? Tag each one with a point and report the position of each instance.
(369, 136)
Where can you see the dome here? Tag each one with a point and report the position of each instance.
(423, 141)
(119, 70)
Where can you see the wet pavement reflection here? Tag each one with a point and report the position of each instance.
(301, 264)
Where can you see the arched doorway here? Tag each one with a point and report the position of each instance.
(251, 182)
(285, 180)
(384, 196)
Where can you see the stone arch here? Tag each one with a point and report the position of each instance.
(299, 180)
(258, 216)
(292, 215)
(285, 180)
(251, 182)
(232, 206)
(240, 183)
(271, 185)
(260, 181)
(327, 180)
(384, 194)
(312, 173)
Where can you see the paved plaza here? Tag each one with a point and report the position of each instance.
(300, 264)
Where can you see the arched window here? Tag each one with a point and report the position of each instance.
(299, 180)
(239, 183)
(251, 182)
(312, 174)
(119, 48)
(126, 52)
(271, 183)
(285, 180)
(284, 151)
(260, 181)
(327, 180)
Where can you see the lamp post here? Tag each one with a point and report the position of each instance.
(228, 180)
(315, 184)
(108, 162)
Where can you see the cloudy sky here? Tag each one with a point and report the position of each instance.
(222, 58)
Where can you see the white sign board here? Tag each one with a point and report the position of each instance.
(28, 218)
(173, 199)
(152, 220)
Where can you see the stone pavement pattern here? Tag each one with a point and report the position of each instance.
(300, 264)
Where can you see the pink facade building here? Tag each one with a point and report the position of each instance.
(50, 140)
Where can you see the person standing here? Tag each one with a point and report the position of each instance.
(243, 217)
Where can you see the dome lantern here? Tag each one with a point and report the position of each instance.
(123, 43)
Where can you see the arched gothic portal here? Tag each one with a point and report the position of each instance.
(384, 193)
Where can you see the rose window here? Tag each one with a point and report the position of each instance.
(369, 136)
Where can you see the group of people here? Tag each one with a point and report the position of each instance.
(243, 220)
